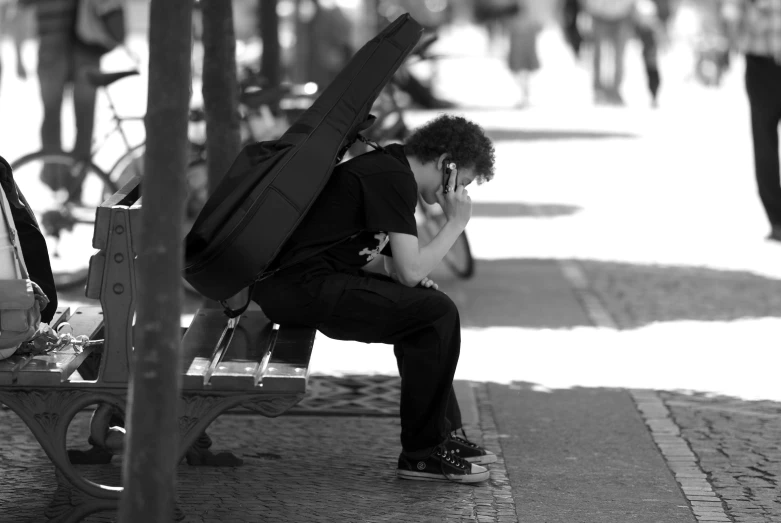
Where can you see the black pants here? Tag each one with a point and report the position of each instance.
(422, 324)
(61, 64)
(763, 85)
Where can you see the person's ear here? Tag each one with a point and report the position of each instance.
(441, 160)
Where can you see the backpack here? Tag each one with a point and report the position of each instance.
(30, 240)
(91, 25)
(21, 300)
(271, 185)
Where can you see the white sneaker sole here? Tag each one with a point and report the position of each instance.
(477, 475)
(482, 460)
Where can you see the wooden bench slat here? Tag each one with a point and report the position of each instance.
(56, 367)
(240, 367)
(9, 367)
(287, 369)
(197, 346)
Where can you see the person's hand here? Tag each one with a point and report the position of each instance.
(428, 283)
(455, 200)
(40, 296)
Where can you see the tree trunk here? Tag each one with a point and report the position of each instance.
(270, 63)
(220, 89)
(149, 466)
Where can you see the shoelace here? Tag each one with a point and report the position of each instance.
(442, 452)
(462, 439)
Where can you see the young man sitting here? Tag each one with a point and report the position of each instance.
(367, 209)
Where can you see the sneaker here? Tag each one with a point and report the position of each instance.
(468, 451)
(441, 465)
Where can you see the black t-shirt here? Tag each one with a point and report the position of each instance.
(366, 198)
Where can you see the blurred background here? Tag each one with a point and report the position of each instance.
(624, 217)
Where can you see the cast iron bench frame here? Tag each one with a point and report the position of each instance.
(265, 369)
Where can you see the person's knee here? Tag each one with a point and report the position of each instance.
(441, 307)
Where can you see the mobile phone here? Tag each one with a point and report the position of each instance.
(447, 168)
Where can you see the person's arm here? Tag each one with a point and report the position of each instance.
(413, 263)
(390, 269)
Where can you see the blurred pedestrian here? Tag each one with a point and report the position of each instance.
(12, 22)
(611, 22)
(64, 61)
(757, 24)
(494, 16)
(570, 12)
(330, 34)
(648, 27)
(522, 58)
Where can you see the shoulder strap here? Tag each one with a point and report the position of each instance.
(9, 219)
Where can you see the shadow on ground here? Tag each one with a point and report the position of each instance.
(515, 210)
(533, 293)
(499, 135)
(636, 295)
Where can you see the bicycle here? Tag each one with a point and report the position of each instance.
(65, 207)
(64, 190)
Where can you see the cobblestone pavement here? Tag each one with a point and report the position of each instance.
(297, 469)
(738, 446)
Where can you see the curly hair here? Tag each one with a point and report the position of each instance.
(465, 143)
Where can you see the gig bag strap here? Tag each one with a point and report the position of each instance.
(9, 219)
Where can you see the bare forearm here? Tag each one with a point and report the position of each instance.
(430, 255)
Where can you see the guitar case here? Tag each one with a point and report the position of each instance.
(271, 185)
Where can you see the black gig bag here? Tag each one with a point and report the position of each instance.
(271, 185)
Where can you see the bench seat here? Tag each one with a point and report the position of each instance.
(57, 367)
(261, 357)
(264, 368)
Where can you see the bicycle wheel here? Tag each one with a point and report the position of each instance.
(63, 192)
(459, 258)
(132, 163)
(128, 165)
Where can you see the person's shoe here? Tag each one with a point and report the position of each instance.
(468, 451)
(441, 465)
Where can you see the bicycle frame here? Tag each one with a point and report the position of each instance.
(116, 127)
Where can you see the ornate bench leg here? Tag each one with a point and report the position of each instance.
(107, 434)
(70, 505)
(200, 455)
(197, 413)
(48, 415)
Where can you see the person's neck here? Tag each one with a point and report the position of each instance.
(419, 171)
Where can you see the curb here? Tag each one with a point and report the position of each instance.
(706, 505)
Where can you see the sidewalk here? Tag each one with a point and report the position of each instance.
(581, 454)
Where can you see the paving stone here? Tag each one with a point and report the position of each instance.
(736, 443)
(359, 452)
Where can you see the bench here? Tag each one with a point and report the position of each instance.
(265, 368)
